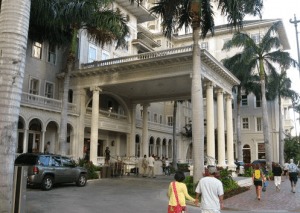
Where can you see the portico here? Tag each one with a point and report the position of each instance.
(156, 77)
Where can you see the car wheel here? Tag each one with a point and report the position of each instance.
(81, 180)
(47, 183)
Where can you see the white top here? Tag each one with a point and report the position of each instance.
(167, 163)
(151, 161)
(210, 188)
(286, 166)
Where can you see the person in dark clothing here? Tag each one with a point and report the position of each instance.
(277, 172)
(107, 155)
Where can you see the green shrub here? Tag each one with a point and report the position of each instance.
(90, 167)
(183, 167)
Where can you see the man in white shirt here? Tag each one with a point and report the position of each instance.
(151, 161)
(211, 190)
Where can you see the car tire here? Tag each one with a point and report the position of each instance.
(47, 183)
(81, 181)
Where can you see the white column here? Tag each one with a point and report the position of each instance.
(25, 141)
(80, 99)
(210, 120)
(230, 153)
(161, 150)
(94, 125)
(133, 131)
(221, 133)
(167, 150)
(145, 150)
(42, 144)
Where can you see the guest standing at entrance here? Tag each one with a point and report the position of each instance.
(107, 156)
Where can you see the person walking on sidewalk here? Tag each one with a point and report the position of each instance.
(178, 192)
(293, 174)
(286, 170)
(277, 172)
(257, 178)
(145, 165)
(211, 190)
(151, 161)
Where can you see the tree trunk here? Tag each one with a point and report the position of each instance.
(197, 109)
(265, 113)
(238, 126)
(14, 22)
(64, 113)
(175, 145)
(281, 141)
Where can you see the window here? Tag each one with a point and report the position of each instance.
(44, 160)
(52, 54)
(34, 86)
(149, 116)
(170, 120)
(259, 124)
(92, 53)
(56, 161)
(49, 90)
(37, 50)
(204, 45)
(245, 123)
(141, 113)
(70, 96)
(261, 151)
(67, 162)
(255, 38)
(104, 55)
(258, 101)
(160, 119)
(244, 100)
(155, 118)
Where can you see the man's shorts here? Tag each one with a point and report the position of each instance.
(293, 177)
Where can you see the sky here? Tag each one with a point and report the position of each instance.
(286, 10)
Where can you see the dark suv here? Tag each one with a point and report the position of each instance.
(46, 170)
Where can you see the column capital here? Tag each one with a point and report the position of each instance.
(220, 90)
(145, 104)
(228, 97)
(95, 88)
(209, 84)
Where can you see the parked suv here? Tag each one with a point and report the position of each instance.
(46, 170)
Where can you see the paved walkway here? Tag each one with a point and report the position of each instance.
(148, 195)
(271, 200)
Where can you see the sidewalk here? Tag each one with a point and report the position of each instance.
(271, 200)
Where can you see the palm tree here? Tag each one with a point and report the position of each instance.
(55, 21)
(279, 86)
(198, 14)
(261, 57)
(249, 83)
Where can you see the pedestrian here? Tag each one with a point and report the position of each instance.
(266, 177)
(47, 148)
(167, 169)
(277, 172)
(107, 155)
(163, 162)
(257, 178)
(293, 174)
(211, 190)
(177, 193)
(145, 165)
(151, 162)
(285, 170)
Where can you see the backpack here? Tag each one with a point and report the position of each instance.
(257, 174)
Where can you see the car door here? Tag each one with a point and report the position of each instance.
(69, 169)
(58, 169)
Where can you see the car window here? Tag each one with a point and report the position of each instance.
(44, 160)
(67, 162)
(56, 161)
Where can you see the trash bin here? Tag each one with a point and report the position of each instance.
(19, 193)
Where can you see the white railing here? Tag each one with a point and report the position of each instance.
(107, 113)
(45, 103)
(138, 57)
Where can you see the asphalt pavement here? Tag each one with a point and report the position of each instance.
(132, 194)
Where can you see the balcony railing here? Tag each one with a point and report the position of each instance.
(42, 102)
(107, 113)
(138, 57)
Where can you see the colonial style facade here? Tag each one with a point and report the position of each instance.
(124, 99)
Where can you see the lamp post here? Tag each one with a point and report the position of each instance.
(295, 23)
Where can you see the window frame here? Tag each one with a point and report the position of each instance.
(37, 50)
(246, 123)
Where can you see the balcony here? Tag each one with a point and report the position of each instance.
(44, 103)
